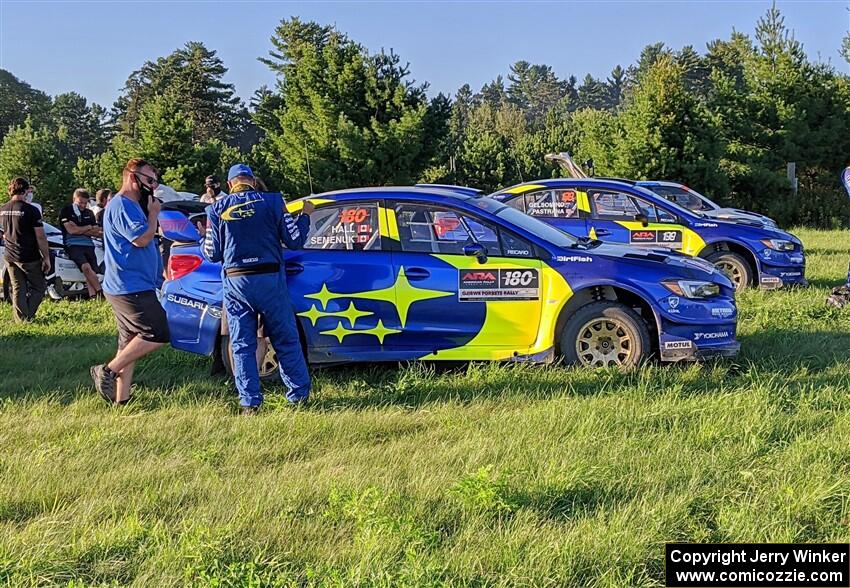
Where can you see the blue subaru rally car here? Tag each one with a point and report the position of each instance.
(694, 201)
(391, 274)
(748, 250)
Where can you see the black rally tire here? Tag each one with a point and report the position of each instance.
(269, 371)
(581, 343)
(735, 267)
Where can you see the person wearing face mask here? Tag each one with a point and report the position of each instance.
(30, 199)
(133, 275)
(212, 191)
(244, 232)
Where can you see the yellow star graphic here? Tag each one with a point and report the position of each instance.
(379, 330)
(402, 294)
(339, 332)
(313, 314)
(352, 313)
(407, 294)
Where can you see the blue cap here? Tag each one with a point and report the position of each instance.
(240, 169)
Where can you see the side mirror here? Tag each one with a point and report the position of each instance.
(642, 219)
(476, 250)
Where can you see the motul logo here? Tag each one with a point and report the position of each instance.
(479, 276)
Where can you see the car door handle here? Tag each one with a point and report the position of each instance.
(416, 273)
(602, 232)
(294, 268)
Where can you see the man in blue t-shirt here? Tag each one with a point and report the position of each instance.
(133, 274)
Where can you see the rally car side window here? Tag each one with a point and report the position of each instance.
(613, 205)
(435, 230)
(350, 226)
(551, 204)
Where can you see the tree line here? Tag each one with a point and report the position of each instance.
(725, 121)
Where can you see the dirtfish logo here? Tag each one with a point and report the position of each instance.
(239, 211)
(574, 258)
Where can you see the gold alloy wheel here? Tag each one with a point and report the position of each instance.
(266, 358)
(731, 270)
(267, 362)
(604, 342)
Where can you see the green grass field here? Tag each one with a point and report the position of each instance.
(406, 476)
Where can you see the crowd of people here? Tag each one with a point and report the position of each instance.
(248, 246)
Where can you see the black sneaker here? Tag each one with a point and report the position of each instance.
(249, 410)
(104, 382)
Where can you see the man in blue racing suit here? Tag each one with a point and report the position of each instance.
(245, 230)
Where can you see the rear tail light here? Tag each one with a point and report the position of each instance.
(181, 264)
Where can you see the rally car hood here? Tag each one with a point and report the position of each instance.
(739, 216)
(675, 263)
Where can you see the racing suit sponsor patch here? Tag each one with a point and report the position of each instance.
(498, 284)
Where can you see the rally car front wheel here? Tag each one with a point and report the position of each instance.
(605, 334)
(734, 266)
(266, 358)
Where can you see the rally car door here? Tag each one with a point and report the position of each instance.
(451, 300)
(614, 219)
(342, 282)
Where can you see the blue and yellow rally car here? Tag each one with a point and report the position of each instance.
(392, 274)
(747, 250)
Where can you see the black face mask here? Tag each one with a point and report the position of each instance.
(144, 190)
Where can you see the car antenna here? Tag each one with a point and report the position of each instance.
(309, 175)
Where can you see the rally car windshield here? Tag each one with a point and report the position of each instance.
(684, 197)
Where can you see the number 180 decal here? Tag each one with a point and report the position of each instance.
(498, 284)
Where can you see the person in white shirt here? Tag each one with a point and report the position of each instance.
(99, 203)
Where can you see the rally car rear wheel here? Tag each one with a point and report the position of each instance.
(734, 266)
(605, 334)
(266, 363)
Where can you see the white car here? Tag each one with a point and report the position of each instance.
(68, 280)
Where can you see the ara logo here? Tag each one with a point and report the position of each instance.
(717, 335)
(479, 276)
(643, 236)
(183, 301)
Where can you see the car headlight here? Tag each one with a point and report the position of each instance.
(692, 288)
(778, 244)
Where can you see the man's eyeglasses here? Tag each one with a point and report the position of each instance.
(153, 181)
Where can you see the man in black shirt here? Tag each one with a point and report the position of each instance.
(78, 227)
(26, 252)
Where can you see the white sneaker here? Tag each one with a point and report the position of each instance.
(54, 295)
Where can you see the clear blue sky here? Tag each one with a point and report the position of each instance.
(92, 47)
